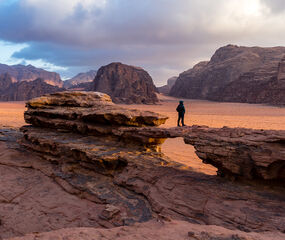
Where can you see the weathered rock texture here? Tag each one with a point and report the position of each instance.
(154, 230)
(126, 84)
(25, 90)
(87, 113)
(237, 74)
(244, 153)
(80, 78)
(70, 190)
(166, 88)
(133, 182)
(29, 73)
(237, 152)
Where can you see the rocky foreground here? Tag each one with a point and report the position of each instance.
(85, 162)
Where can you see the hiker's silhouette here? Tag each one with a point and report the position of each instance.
(181, 111)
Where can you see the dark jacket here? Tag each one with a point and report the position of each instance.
(180, 109)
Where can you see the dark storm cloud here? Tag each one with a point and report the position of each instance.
(118, 22)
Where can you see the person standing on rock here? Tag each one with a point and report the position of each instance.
(181, 112)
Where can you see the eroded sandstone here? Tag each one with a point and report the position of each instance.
(122, 169)
(85, 111)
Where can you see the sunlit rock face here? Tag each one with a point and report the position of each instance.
(90, 113)
(235, 74)
(20, 73)
(126, 84)
(24, 90)
(244, 153)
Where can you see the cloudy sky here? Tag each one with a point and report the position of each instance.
(165, 37)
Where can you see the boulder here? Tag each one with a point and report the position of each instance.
(126, 84)
(86, 112)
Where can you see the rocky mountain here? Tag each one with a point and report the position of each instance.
(80, 78)
(236, 74)
(29, 73)
(20, 91)
(126, 84)
(166, 88)
(5, 81)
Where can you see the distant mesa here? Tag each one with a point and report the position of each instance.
(166, 88)
(236, 74)
(20, 83)
(20, 73)
(23, 90)
(125, 84)
(84, 86)
(81, 78)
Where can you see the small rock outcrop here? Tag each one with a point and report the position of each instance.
(21, 91)
(86, 112)
(126, 84)
(243, 153)
(236, 74)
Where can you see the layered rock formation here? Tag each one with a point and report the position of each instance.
(125, 84)
(236, 152)
(24, 90)
(29, 73)
(110, 157)
(166, 88)
(80, 78)
(238, 74)
(243, 153)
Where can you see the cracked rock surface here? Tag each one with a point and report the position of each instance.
(60, 177)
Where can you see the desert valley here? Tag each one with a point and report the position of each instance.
(115, 165)
(159, 120)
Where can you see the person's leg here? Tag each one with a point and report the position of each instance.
(178, 122)
(182, 120)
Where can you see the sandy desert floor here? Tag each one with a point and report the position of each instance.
(198, 112)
